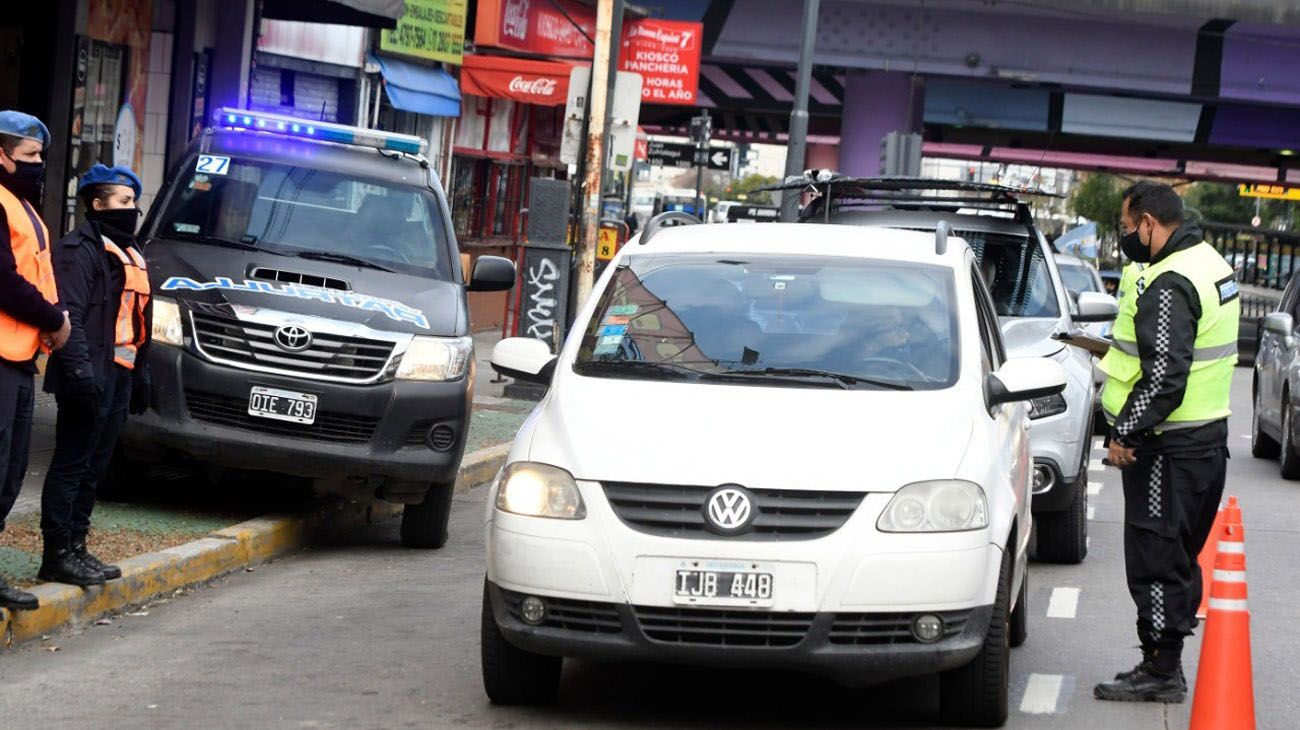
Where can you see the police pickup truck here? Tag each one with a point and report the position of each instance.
(310, 315)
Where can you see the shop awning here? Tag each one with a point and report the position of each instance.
(365, 13)
(545, 83)
(420, 89)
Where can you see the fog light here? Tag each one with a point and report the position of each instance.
(1044, 478)
(532, 610)
(927, 628)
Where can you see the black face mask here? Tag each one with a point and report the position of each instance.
(118, 223)
(1131, 245)
(26, 181)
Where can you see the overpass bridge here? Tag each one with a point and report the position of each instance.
(1189, 88)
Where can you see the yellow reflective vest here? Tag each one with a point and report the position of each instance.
(1215, 349)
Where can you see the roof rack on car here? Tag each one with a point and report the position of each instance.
(837, 192)
(667, 219)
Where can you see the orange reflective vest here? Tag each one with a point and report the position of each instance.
(129, 332)
(30, 241)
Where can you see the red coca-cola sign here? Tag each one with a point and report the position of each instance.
(545, 83)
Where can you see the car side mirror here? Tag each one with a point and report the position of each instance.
(1025, 378)
(523, 358)
(1281, 324)
(1096, 307)
(492, 273)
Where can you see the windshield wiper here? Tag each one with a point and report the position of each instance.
(843, 379)
(667, 370)
(214, 240)
(340, 258)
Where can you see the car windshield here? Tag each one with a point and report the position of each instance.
(789, 320)
(1015, 271)
(1076, 277)
(298, 211)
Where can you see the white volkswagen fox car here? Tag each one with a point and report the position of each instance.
(779, 445)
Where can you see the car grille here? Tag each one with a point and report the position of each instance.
(252, 345)
(888, 628)
(781, 514)
(723, 628)
(566, 613)
(233, 412)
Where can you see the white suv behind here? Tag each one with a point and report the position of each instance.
(771, 445)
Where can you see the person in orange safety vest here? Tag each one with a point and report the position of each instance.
(30, 321)
(102, 374)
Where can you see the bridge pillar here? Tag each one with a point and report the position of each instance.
(875, 104)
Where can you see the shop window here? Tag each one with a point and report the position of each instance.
(487, 197)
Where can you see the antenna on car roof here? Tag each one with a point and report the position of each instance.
(941, 238)
(667, 219)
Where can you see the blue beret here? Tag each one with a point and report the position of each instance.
(19, 124)
(102, 174)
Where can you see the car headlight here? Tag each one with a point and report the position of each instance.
(435, 358)
(539, 490)
(1048, 405)
(939, 506)
(167, 322)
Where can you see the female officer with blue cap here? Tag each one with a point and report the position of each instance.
(101, 373)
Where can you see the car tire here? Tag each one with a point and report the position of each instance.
(976, 695)
(424, 525)
(1019, 625)
(1262, 446)
(1063, 536)
(512, 676)
(1290, 460)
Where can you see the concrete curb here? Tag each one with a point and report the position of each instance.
(248, 543)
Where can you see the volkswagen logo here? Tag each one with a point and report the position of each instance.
(292, 338)
(729, 508)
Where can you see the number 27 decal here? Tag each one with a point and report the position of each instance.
(212, 164)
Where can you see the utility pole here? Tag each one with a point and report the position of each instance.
(795, 149)
(616, 48)
(586, 253)
(701, 133)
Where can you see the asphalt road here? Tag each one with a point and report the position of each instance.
(360, 633)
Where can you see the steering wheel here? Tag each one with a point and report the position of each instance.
(898, 365)
(397, 256)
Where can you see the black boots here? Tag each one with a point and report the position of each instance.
(111, 572)
(1159, 678)
(11, 597)
(63, 566)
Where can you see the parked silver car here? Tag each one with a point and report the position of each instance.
(1277, 375)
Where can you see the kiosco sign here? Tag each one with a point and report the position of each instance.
(666, 53)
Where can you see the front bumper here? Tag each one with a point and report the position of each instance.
(853, 574)
(854, 649)
(369, 433)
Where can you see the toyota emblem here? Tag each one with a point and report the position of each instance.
(292, 338)
(729, 508)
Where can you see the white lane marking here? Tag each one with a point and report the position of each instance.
(1097, 469)
(1064, 602)
(1041, 694)
(1092, 513)
(1094, 488)
(1087, 542)
(1245, 435)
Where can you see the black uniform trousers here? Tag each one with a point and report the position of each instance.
(1170, 501)
(17, 398)
(83, 445)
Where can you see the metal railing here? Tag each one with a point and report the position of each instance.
(1264, 261)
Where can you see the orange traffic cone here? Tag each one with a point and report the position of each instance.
(1206, 561)
(1225, 695)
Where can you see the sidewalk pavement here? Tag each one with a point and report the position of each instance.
(177, 509)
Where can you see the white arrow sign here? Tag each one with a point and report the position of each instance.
(719, 158)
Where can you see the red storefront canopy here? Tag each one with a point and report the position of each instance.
(545, 83)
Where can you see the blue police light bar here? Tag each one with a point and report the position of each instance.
(326, 131)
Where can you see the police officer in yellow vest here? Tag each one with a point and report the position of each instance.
(1168, 373)
(101, 374)
(29, 319)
